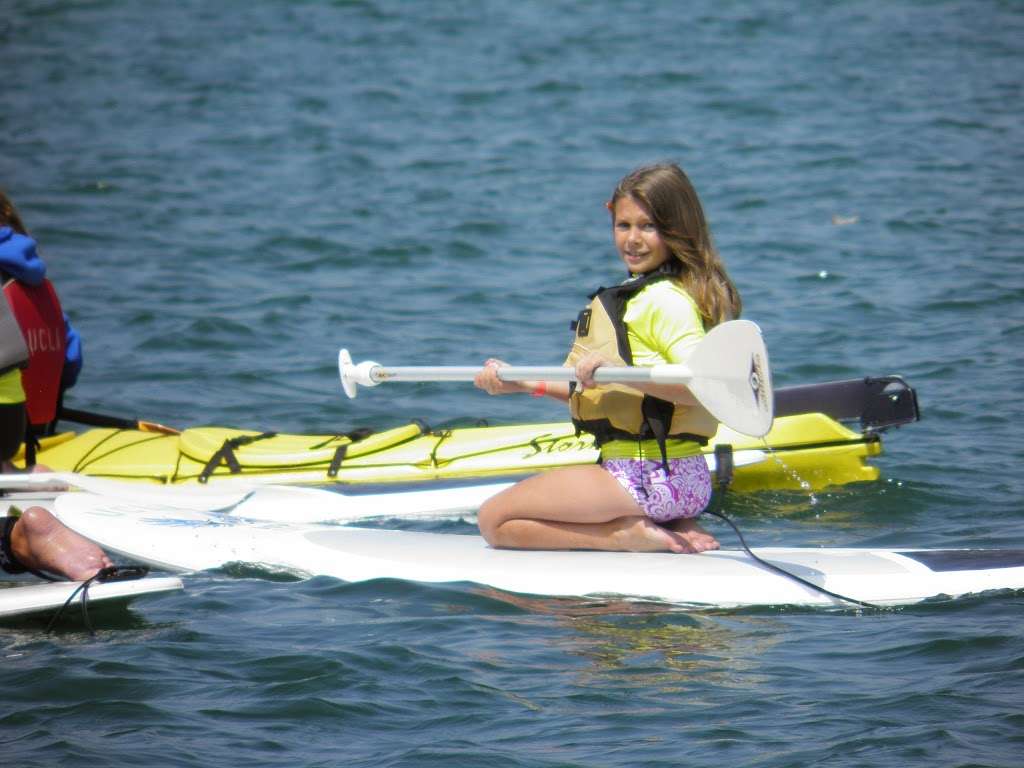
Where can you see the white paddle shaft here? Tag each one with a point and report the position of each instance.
(372, 373)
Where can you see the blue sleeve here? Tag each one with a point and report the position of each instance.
(19, 258)
(72, 356)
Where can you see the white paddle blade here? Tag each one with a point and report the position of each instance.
(731, 377)
(354, 376)
(346, 369)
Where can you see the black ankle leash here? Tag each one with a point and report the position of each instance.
(723, 474)
(110, 573)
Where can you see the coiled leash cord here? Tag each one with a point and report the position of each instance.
(110, 573)
(723, 473)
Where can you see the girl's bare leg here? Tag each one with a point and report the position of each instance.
(580, 507)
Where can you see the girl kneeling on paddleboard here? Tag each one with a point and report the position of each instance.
(652, 481)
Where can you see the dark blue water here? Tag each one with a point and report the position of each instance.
(228, 192)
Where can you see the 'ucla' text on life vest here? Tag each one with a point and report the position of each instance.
(44, 340)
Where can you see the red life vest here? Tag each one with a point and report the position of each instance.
(38, 312)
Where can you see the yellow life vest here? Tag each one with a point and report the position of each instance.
(615, 411)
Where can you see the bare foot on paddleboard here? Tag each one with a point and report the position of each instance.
(43, 543)
(643, 535)
(695, 537)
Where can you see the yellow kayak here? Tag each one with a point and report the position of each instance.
(808, 446)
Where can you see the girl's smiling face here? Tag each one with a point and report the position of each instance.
(636, 237)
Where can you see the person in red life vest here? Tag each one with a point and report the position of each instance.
(55, 349)
(35, 540)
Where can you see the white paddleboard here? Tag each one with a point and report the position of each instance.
(23, 598)
(284, 503)
(187, 540)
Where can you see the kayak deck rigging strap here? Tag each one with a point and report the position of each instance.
(226, 455)
(445, 431)
(339, 456)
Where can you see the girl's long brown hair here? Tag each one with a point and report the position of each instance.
(9, 215)
(669, 198)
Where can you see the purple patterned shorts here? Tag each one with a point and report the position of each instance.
(684, 492)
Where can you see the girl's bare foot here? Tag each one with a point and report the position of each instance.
(696, 537)
(41, 542)
(640, 534)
